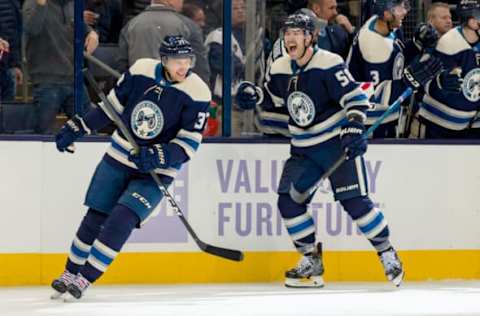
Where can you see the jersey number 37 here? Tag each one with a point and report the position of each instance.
(201, 120)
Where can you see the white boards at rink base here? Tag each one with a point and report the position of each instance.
(429, 194)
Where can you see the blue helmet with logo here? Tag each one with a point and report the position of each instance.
(299, 21)
(380, 6)
(467, 9)
(176, 46)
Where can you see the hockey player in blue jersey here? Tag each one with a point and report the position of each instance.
(165, 106)
(448, 113)
(378, 55)
(274, 121)
(327, 115)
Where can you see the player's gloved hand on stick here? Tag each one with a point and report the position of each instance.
(425, 37)
(450, 80)
(421, 70)
(248, 95)
(353, 140)
(149, 158)
(69, 133)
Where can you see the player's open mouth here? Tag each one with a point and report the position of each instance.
(292, 48)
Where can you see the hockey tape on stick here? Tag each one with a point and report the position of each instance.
(301, 197)
(106, 106)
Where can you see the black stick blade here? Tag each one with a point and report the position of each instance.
(235, 255)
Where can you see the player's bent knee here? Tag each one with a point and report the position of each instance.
(94, 219)
(288, 207)
(358, 206)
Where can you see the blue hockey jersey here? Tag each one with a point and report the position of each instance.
(378, 59)
(156, 111)
(454, 111)
(273, 120)
(317, 96)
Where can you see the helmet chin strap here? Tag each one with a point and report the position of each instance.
(306, 47)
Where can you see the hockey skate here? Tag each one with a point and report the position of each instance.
(77, 288)
(308, 273)
(392, 266)
(60, 284)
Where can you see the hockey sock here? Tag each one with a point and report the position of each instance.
(299, 223)
(82, 243)
(370, 220)
(116, 230)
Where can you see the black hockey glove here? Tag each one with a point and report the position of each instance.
(248, 95)
(150, 158)
(426, 36)
(69, 133)
(450, 81)
(422, 69)
(353, 140)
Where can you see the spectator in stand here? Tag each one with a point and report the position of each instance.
(337, 36)
(105, 17)
(4, 50)
(132, 8)
(10, 64)
(49, 33)
(215, 57)
(4, 46)
(195, 13)
(439, 16)
(142, 36)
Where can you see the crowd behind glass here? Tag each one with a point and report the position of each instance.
(37, 43)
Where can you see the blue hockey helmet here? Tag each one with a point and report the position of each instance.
(176, 46)
(317, 23)
(299, 21)
(380, 6)
(467, 9)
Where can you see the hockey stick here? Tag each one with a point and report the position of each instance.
(107, 107)
(301, 197)
(102, 65)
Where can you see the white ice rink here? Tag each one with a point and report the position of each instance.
(422, 298)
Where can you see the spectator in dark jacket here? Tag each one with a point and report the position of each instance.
(105, 17)
(338, 35)
(10, 64)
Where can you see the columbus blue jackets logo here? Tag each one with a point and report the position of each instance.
(398, 65)
(301, 108)
(471, 85)
(147, 120)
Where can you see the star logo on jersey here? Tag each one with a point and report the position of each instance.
(301, 108)
(471, 85)
(147, 120)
